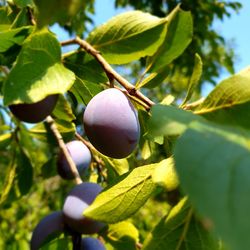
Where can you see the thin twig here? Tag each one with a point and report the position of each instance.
(31, 16)
(110, 72)
(63, 147)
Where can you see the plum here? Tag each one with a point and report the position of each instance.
(50, 225)
(34, 112)
(80, 155)
(79, 198)
(90, 243)
(111, 123)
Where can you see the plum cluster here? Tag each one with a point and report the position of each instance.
(71, 219)
(111, 125)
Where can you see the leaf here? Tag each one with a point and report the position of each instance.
(8, 181)
(123, 198)
(229, 102)
(24, 173)
(179, 35)
(42, 132)
(23, 3)
(63, 110)
(173, 120)
(194, 80)
(38, 71)
(121, 166)
(165, 175)
(57, 244)
(213, 166)
(154, 79)
(85, 91)
(180, 229)
(123, 235)
(128, 36)
(13, 37)
(5, 140)
(49, 12)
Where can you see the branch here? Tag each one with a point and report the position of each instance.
(63, 147)
(110, 72)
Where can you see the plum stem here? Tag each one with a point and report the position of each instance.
(76, 240)
(110, 72)
(63, 147)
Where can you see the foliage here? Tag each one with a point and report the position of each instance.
(207, 41)
(185, 186)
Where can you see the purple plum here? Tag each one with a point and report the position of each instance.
(34, 112)
(111, 123)
(80, 155)
(50, 225)
(79, 198)
(90, 243)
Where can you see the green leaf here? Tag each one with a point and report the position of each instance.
(8, 181)
(229, 102)
(165, 175)
(179, 35)
(57, 244)
(63, 110)
(42, 132)
(173, 120)
(123, 198)
(13, 37)
(23, 3)
(38, 71)
(121, 166)
(180, 229)
(5, 140)
(123, 236)
(49, 12)
(24, 173)
(129, 36)
(213, 166)
(194, 80)
(85, 91)
(154, 79)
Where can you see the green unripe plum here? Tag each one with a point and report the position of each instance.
(81, 156)
(79, 198)
(34, 112)
(52, 224)
(111, 123)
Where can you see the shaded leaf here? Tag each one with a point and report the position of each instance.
(13, 37)
(173, 120)
(5, 140)
(24, 173)
(63, 110)
(85, 91)
(63, 243)
(38, 71)
(180, 229)
(213, 166)
(129, 36)
(123, 198)
(49, 12)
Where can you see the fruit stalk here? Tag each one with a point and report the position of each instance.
(110, 72)
(63, 147)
